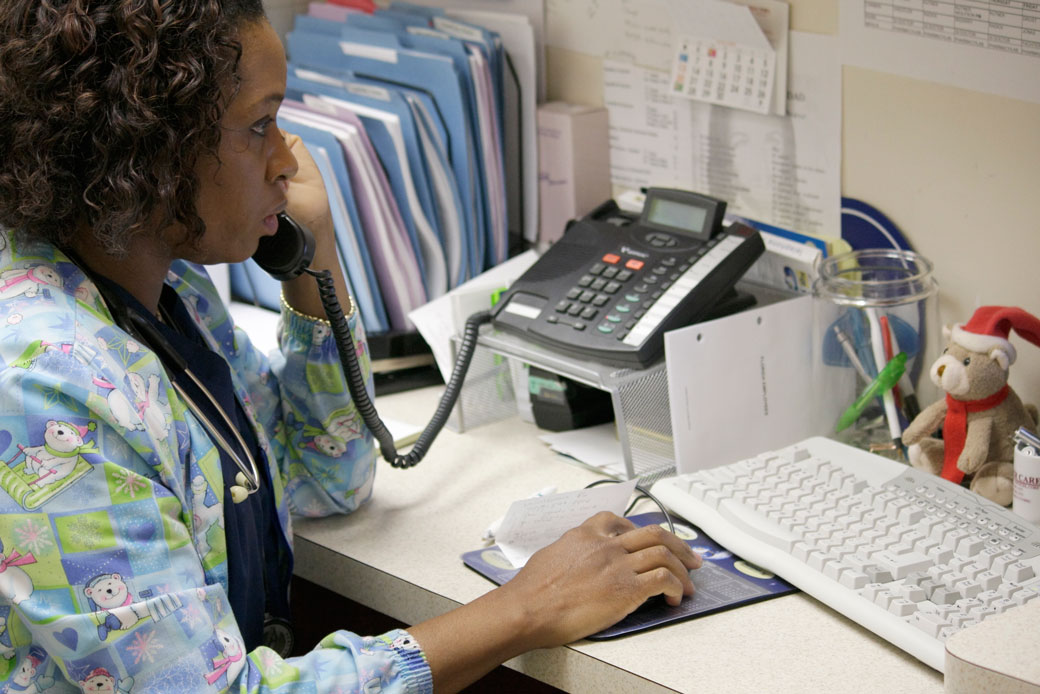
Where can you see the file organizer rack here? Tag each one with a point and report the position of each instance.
(639, 397)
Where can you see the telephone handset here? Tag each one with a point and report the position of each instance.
(287, 254)
(615, 282)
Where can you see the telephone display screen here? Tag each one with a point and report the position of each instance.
(676, 214)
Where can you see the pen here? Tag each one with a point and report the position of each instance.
(880, 385)
(886, 341)
(906, 388)
(877, 344)
(1024, 437)
(850, 352)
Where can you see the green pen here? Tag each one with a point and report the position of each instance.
(887, 378)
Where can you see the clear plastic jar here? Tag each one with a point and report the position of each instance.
(870, 305)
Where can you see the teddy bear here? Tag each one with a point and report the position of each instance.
(981, 411)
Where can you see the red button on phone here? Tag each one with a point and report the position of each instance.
(634, 264)
(611, 258)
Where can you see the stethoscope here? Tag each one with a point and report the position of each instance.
(247, 479)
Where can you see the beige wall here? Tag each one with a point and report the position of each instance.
(957, 171)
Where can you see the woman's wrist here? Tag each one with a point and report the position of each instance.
(466, 643)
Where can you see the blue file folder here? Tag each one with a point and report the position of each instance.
(435, 73)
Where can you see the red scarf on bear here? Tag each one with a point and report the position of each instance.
(955, 429)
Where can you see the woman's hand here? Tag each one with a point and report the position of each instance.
(308, 201)
(598, 573)
(309, 205)
(589, 579)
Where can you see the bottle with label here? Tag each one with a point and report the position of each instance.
(1026, 500)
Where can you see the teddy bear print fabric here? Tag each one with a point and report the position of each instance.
(113, 558)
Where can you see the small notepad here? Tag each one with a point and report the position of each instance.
(533, 523)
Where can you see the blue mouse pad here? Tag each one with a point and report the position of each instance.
(723, 581)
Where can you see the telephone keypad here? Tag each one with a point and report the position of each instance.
(595, 289)
(606, 278)
(603, 286)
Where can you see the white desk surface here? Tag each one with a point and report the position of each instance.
(400, 555)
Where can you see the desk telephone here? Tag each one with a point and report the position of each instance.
(615, 282)
(608, 290)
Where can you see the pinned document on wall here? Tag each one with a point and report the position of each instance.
(731, 54)
(783, 170)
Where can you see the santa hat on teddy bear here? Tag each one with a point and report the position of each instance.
(988, 329)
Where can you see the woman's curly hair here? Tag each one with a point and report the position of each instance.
(105, 108)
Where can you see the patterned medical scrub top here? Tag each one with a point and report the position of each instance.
(113, 555)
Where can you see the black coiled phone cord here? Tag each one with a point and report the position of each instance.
(356, 379)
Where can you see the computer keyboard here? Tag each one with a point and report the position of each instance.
(907, 555)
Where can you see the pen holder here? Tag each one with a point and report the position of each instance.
(870, 306)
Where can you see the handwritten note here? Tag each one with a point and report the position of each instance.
(531, 524)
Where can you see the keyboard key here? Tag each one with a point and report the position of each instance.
(929, 623)
(1008, 589)
(970, 546)
(871, 590)
(853, 580)
(988, 580)
(1019, 571)
(967, 588)
(756, 525)
(1026, 594)
(902, 565)
(944, 596)
(902, 607)
(914, 593)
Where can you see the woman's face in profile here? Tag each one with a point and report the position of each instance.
(242, 189)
